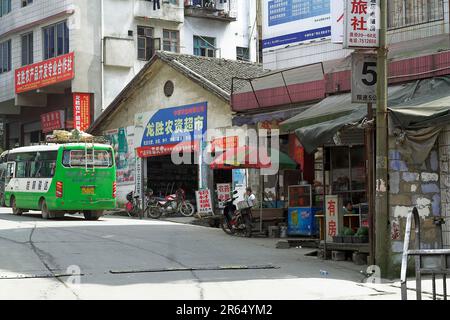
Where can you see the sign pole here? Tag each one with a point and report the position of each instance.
(370, 179)
(381, 202)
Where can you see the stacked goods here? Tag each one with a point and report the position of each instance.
(61, 136)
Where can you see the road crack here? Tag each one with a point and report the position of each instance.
(42, 257)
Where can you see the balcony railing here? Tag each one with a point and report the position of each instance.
(224, 10)
(168, 10)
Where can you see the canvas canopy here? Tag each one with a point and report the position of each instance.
(418, 111)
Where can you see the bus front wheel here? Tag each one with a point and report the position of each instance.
(16, 211)
(92, 215)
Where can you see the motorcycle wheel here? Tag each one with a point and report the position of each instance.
(154, 212)
(187, 209)
(225, 226)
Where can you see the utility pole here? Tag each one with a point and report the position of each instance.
(382, 233)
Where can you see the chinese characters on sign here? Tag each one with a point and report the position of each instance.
(361, 24)
(52, 121)
(282, 11)
(172, 129)
(332, 217)
(81, 111)
(223, 192)
(204, 204)
(294, 21)
(45, 73)
(364, 77)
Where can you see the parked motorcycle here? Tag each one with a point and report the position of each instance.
(172, 204)
(235, 221)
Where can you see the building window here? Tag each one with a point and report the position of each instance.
(145, 43)
(56, 40)
(27, 49)
(26, 2)
(205, 46)
(171, 40)
(402, 13)
(5, 56)
(348, 174)
(242, 54)
(5, 7)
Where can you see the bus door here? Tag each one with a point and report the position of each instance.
(10, 175)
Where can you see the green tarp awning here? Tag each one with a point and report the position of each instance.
(417, 105)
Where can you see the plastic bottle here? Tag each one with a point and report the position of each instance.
(323, 273)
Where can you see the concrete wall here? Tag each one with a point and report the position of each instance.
(413, 186)
(444, 159)
(150, 97)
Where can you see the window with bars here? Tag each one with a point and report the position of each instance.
(171, 40)
(403, 13)
(205, 46)
(27, 49)
(5, 56)
(56, 40)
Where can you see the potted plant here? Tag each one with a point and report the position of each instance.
(362, 235)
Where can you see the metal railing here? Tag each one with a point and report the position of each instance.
(432, 262)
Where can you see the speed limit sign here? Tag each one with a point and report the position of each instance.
(364, 77)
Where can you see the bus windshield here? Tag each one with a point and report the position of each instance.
(81, 158)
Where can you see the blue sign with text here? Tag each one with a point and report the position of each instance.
(174, 125)
(283, 11)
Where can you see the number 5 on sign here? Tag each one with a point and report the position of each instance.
(364, 77)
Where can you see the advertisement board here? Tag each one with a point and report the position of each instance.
(361, 24)
(122, 141)
(286, 22)
(337, 21)
(52, 121)
(81, 111)
(160, 132)
(44, 73)
(204, 202)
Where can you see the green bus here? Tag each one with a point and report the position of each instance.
(61, 178)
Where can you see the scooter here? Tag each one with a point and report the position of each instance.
(236, 221)
(174, 203)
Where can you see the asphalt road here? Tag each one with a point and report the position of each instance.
(123, 258)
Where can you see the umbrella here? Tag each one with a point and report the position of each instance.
(244, 157)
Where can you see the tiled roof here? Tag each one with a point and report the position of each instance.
(214, 70)
(213, 74)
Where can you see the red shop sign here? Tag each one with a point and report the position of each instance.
(52, 121)
(45, 73)
(81, 111)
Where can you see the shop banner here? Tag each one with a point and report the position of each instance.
(45, 73)
(286, 22)
(223, 193)
(224, 143)
(81, 111)
(171, 129)
(52, 121)
(361, 24)
(122, 141)
(204, 203)
(332, 220)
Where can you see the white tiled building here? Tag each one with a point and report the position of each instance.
(129, 30)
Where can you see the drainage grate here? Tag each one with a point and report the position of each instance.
(186, 269)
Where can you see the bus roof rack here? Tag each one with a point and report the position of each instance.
(75, 136)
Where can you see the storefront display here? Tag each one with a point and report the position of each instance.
(302, 211)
